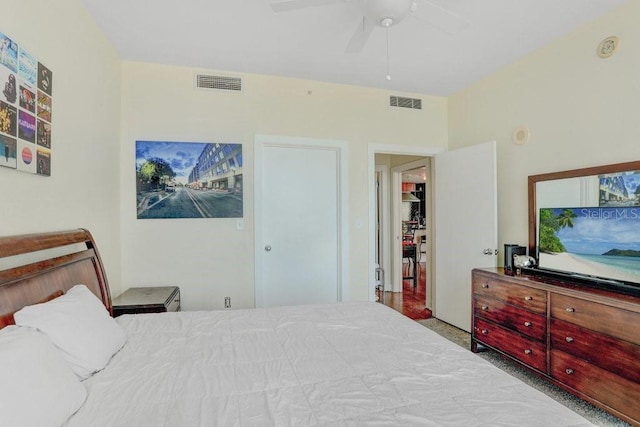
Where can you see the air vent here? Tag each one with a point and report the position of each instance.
(233, 84)
(402, 102)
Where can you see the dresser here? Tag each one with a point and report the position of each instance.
(156, 299)
(584, 340)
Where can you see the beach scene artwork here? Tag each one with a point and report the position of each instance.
(600, 242)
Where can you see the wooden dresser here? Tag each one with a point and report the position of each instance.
(584, 340)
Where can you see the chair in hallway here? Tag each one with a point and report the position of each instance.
(422, 247)
(409, 249)
(408, 236)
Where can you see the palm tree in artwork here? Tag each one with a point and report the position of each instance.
(565, 219)
(550, 224)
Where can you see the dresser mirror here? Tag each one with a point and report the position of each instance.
(576, 188)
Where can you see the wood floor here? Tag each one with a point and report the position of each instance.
(411, 301)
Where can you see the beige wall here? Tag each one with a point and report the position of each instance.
(210, 258)
(582, 111)
(83, 188)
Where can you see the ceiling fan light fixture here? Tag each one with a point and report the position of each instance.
(381, 10)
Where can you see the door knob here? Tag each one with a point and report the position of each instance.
(267, 248)
(490, 251)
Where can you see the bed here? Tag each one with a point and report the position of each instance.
(352, 363)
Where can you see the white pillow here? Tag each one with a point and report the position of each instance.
(78, 324)
(38, 386)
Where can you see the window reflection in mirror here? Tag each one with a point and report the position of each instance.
(568, 192)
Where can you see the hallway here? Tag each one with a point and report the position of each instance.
(410, 302)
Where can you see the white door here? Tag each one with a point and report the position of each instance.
(299, 221)
(465, 227)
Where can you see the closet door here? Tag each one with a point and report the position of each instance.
(298, 222)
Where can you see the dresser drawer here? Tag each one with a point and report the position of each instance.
(526, 350)
(599, 384)
(620, 357)
(511, 317)
(612, 321)
(522, 296)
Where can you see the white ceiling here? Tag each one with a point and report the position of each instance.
(247, 36)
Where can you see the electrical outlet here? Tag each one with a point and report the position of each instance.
(227, 302)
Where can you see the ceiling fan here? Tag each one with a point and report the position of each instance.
(384, 13)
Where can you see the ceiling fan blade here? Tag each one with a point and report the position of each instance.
(360, 36)
(439, 17)
(287, 5)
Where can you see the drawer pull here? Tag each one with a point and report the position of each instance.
(484, 332)
(527, 351)
(569, 339)
(485, 285)
(485, 308)
(569, 371)
(570, 309)
(528, 298)
(527, 324)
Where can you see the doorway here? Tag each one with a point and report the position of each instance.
(390, 227)
(403, 237)
(459, 244)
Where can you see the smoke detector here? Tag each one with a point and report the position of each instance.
(608, 47)
(521, 135)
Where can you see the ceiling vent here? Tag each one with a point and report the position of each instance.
(233, 84)
(402, 102)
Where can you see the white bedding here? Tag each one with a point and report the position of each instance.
(336, 365)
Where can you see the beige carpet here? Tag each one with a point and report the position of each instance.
(588, 411)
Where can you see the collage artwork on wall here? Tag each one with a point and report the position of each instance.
(25, 110)
(188, 180)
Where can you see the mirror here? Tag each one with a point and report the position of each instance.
(577, 188)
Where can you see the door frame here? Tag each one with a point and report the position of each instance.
(342, 153)
(396, 228)
(384, 217)
(374, 149)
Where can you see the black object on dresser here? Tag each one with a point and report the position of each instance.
(157, 299)
(509, 251)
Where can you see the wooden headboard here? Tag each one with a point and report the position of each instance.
(50, 275)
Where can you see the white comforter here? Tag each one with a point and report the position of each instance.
(335, 365)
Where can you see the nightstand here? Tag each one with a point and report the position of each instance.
(157, 299)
